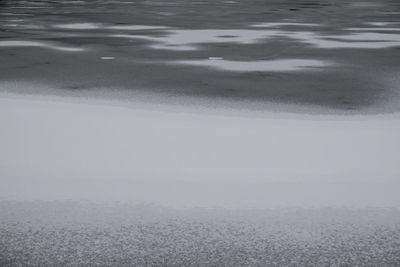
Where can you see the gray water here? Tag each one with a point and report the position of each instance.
(338, 54)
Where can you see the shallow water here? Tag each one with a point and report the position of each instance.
(64, 43)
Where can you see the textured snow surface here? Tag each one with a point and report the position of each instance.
(77, 234)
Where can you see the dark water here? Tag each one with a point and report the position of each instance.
(336, 54)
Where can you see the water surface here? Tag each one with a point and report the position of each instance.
(350, 49)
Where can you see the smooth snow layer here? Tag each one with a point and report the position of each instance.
(57, 149)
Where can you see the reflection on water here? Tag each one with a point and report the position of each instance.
(107, 57)
(280, 24)
(383, 23)
(78, 26)
(237, 36)
(374, 29)
(95, 26)
(189, 39)
(136, 27)
(351, 40)
(38, 44)
(267, 65)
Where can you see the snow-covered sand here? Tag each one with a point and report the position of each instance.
(56, 148)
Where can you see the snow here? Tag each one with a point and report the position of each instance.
(58, 148)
